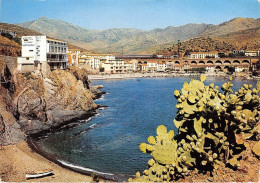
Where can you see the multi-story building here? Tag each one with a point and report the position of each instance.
(152, 66)
(42, 53)
(114, 66)
(198, 55)
(161, 66)
(130, 65)
(94, 60)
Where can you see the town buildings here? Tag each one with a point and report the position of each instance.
(73, 56)
(198, 55)
(104, 62)
(42, 53)
(210, 63)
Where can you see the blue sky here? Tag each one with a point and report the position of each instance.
(140, 14)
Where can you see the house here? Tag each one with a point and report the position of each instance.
(161, 66)
(152, 66)
(94, 60)
(73, 56)
(114, 66)
(199, 55)
(43, 54)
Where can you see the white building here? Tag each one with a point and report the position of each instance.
(161, 66)
(210, 69)
(94, 60)
(130, 65)
(198, 55)
(252, 53)
(152, 66)
(42, 53)
(241, 69)
(115, 66)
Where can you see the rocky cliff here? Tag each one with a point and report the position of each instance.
(32, 103)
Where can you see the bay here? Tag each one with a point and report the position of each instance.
(109, 142)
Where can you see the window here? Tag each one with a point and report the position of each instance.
(31, 50)
(27, 58)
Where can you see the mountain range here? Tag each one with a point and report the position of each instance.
(234, 34)
(134, 41)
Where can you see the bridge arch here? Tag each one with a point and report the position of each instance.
(194, 62)
(227, 62)
(236, 62)
(139, 62)
(201, 62)
(186, 62)
(177, 62)
(218, 62)
(210, 62)
(245, 62)
(218, 68)
(226, 67)
(145, 62)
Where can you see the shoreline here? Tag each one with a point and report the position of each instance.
(76, 168)
(155, 75)
(32, 143)
(17, 159)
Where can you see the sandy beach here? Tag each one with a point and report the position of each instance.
(18, 159)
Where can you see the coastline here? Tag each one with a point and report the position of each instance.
(151, 75)
(75, 168)
(35, 147)
(18, 159)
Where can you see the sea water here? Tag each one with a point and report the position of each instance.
(109, 142)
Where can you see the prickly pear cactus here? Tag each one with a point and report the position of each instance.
(212, 128)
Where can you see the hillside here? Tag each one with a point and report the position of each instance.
(20, 31)
(114, 40)
(247, 40)
(10, 47)
(236, 34)
(231, 26)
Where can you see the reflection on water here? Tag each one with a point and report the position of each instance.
(135, 110)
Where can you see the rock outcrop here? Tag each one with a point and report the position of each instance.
(10, 130)
(38, 103)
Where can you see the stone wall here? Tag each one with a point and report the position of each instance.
(27, 68)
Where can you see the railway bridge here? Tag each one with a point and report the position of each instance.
(214, 64)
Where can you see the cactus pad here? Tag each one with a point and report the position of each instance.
(212, 128)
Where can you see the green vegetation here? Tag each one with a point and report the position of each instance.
(212, 128)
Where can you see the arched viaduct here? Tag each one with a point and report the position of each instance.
(214, 63)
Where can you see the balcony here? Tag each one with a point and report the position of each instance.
(57, 60)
